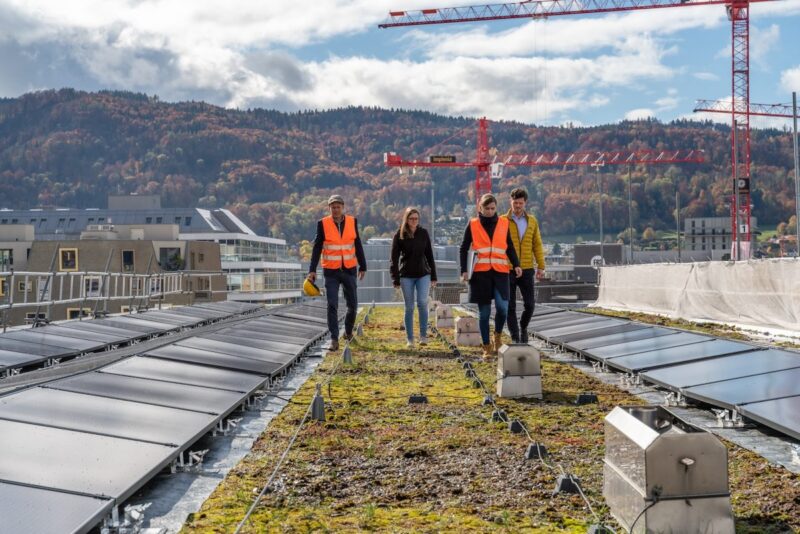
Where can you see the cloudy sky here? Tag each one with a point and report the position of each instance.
(302, 54)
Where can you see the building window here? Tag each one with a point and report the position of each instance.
(30, 317)
(90, 220)
(127, 261)
(202, 257)
(194, 263)
(68, 259)
(124, 309)
(71, 222)
(170, 258)
(3, 287)
(42, 223)
(693, 223)
(76, 313)
(92, 286)
(101, 220)
(24, 287)
(159, 220)
(148, 220)
(178, 219)
(6, 259)
(187, 221)
(5, 221)
(61, 223)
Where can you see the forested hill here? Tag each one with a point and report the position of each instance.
(70, 149)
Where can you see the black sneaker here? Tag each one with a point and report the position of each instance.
(524, 337)
(347, 337)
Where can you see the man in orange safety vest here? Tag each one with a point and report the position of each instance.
(339, 247)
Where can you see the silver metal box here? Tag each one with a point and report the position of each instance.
(519, 371)
(669, 474)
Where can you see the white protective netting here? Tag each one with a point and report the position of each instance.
(756, 293)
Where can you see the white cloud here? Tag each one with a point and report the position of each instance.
(790, 79)
(707, 76)
(762, 41)
(639, 114)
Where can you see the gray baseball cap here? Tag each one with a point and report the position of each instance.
(335, 198)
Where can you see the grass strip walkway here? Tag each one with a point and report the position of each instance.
(380, 464)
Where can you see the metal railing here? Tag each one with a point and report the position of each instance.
(30, 289)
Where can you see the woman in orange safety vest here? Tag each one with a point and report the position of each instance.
(488, 237)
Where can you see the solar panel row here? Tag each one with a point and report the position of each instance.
(117, 426)
(763, 385)
(32, 347)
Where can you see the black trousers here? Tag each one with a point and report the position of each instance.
(525, 285)
(347, 279)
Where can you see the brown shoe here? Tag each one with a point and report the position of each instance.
(498, 342)
(486, 355)
(347, 337)
(334, 345)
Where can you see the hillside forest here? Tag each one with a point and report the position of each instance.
(275, 170)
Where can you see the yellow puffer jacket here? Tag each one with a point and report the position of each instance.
(531, 245)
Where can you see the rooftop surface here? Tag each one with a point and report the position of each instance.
(380, 464)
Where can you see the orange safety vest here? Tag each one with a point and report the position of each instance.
(339, 248)
(491, 253)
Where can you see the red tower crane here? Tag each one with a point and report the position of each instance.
(486, 167)
(738, 13)
(740, 200)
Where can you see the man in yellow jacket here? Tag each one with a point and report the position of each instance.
(524, 230)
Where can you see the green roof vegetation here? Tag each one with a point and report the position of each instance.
(380, 464)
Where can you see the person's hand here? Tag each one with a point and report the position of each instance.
(464, 277)
(433, 283)
(518, 271)
(312, 277)
(361, 274)
(540, 274)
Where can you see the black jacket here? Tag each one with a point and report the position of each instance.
(319, 240)
(412, 257)
(489, 224)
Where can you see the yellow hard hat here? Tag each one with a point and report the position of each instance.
(311, 289)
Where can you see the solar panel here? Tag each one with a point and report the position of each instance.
(645, 345)
(278, 346)
(196, 398)
(185, 373)
(77, 461)
(672, 356)
(107, 416)
(216, 359)
(236, 350)
(200, 312)
(545, 310)
(782, 415)
(726, 368)
(599, 331)
(302, 318)
(31, 335)
(252, 331)
(93, 326)
(624, 337)
(127, 322)
(104, 338)
(167, 317)
(572, 320)
(730, 393)
(41, 511)
(556, 331)
(34, 349)
(17, 359)
(559, 319)
(288, 327)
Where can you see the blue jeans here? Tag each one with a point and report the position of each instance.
(422, 285)
(500, 313)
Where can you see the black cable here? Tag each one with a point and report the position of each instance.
(646, 508)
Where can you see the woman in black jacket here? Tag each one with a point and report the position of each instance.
(413, 269)
(494, 258)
